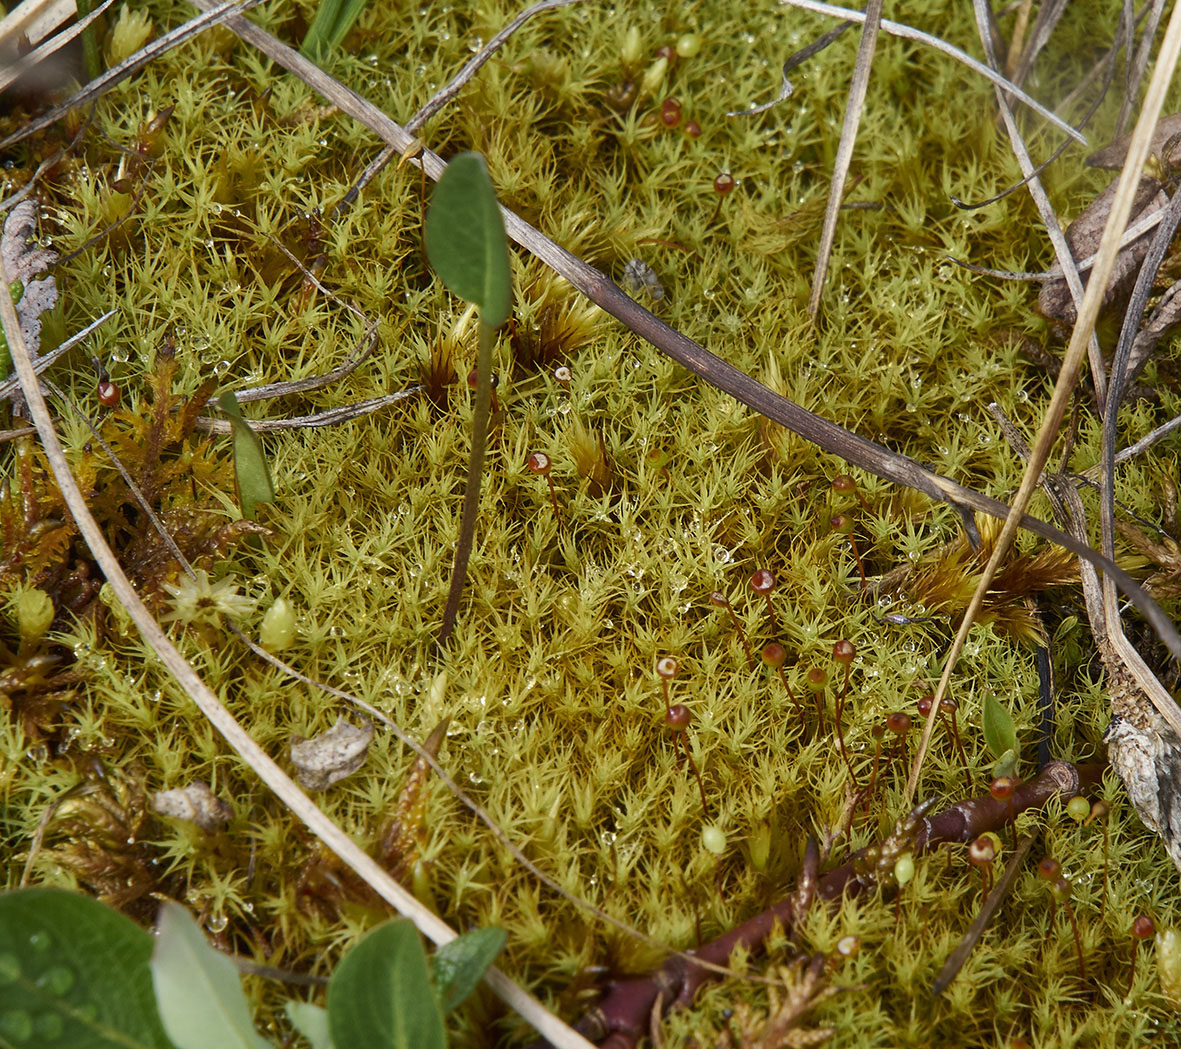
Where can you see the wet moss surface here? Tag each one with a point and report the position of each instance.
(667, 490)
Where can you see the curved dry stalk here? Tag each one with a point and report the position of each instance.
(1063, 388)
(844, 157)
(268, 771)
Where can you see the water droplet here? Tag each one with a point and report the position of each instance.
(608, 837)
(336, 631)
(221, 367)
(40, 941)
(475, 779)
(10, 968)
(217, 923)
(722, 555)
(57, 979)
(16, 1024)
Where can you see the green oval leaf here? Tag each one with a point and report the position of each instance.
(198, 989)
(459, 965)
(465, 238)
(380, 996)
(250, 463)
(73, 972)
(999, 731)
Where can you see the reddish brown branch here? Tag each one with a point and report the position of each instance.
(622, 1017)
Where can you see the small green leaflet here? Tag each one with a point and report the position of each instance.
(250, 464)
(999, 731)
(465, 238)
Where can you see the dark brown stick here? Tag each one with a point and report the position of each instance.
(622, 1017)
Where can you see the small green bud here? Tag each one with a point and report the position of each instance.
(278, 628)
(1078, 808)
(119, 613)
(131, 31)
(632, 48)
(34, 614)
(1168, 964)
(688, 45)
(713, 839)
(758, 847)
(904, 868)
(653, 77)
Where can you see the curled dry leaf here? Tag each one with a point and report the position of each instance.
(22, 260)
(1083, 236)
(1113, 156)
(331, 756)
(195, 803)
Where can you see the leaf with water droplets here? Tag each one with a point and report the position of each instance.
(74, 972)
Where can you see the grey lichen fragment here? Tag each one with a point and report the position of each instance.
(195, 803)
(331, 756)
(1146, 753)
(21, 260)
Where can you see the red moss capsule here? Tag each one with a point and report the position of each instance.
(898, 723)
(774, 654)
(678, 717)
(724, 183)
(762, 581)
(670, 112)
(1049, 869)
(108, 393)
(1002, 788)
(667, 667)
(693, 129)
(844, 651)
(539, 463)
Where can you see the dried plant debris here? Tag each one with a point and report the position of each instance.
(1112, 157)
(1146, 753)
(195, 803)
(802, 988)
(331, 756)
(1083, 236)
(946, 582)
(23, 260)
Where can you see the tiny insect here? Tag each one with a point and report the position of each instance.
(639, 276)
(898, 619)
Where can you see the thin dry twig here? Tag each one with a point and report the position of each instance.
(50, 46)
(844, 157)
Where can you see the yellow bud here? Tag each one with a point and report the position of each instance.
(1168, 965)
(131, 31)
(279, 627)
(653, 77)
(631, 48)
(34, 614)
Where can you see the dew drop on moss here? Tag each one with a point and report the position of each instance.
(57, 979)
(10, 968)
(16, 1025)
(40, 941)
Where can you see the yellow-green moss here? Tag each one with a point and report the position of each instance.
(556, 715)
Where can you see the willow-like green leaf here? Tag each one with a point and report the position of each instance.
(465, 239)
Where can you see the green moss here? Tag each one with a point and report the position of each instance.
(556, 715)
